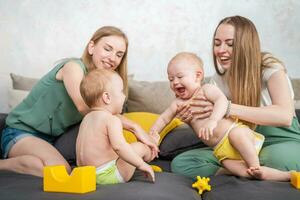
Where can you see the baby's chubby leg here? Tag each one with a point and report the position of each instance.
(142, 150)
(236, 167)
(243, 140)
(126, 169)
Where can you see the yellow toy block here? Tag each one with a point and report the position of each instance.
(295, 179)
(202, 184)
(81, 180)
(156, 168)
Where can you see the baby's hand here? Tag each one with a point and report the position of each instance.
(149, 141)
(206, 131)
(148, 171)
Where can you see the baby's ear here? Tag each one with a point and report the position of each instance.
(199, 75)
(106, 98)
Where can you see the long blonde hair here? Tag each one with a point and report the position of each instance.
(104, 32)
(244, 77)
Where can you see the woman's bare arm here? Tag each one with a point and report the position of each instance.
(72, 74)
(280, 113)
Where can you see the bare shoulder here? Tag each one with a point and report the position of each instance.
(208, 86)
(95, 116)
(114, 119)
(71, 68)
(211, 91)
(177, 103)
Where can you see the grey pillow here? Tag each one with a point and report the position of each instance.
(179, 140)
(66, 144)
(22, 82)
(2, 125)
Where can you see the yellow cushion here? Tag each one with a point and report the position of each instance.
(146, 120)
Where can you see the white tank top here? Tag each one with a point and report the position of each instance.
(265, 95)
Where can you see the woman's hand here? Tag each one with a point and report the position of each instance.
(197, 108)
(201, 108)
(184, 113)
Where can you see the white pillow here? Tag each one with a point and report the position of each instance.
(15, 97)
(297, 104)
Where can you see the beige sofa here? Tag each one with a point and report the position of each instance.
(143, 96)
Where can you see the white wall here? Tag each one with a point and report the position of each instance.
(36, 33)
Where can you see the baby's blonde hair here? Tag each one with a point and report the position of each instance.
(195, 60)
(94, 84)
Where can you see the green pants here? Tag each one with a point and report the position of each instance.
(280, 150)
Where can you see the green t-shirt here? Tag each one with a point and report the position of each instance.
(48, 108)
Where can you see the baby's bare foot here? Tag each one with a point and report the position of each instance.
(252, 171)
(267, 173)
(258, 173)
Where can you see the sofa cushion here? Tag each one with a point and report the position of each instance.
(179, 140)
(2, 125)
(167, 186)
(22, 82)
(235, 188)
(146, 96)
(66, 144)
(16, 96)
(21, 85)
(146, 120)
(296, 87)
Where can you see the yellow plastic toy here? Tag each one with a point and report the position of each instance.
(81, 180)
(156, 168)
(295, 179)
(202, 184)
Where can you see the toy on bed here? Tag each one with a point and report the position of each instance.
(202, 184)
(295, 179)
(156, 168)
(81, 180)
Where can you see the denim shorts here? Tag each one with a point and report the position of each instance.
(11, 136)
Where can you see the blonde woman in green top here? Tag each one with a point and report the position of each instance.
(55, 103)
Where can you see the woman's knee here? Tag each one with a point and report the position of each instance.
(53, 160)
(28, 164)
(195, 162)
(282, 156)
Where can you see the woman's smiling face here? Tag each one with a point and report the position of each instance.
(108, 52)
(223, 45)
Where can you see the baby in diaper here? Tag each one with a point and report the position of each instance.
(235, 145)
(100, 140)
